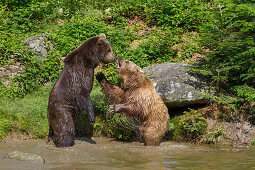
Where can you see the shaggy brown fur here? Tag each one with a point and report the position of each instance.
(71, 92)
(137, 97)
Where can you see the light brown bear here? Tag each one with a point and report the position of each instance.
(137, 97)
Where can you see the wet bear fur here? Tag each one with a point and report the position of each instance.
(136, 96)
(71, 93)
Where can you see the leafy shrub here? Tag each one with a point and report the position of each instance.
(156, 49)
(213, 136)
(71, 35)
(35, 75)
(13, 4)
(193, 126)
(188, 127)
(167, 13)
(179, 13)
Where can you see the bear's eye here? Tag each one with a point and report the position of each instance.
(127, 62)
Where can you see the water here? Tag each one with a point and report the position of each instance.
(105, 153)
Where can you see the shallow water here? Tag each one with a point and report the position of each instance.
(104, 153)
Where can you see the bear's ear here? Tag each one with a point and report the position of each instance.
(140, 70)
(100, 42)
(103, 36)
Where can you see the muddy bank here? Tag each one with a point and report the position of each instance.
(105, 153)
(236, 128)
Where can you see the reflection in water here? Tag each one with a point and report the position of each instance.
(104, 153)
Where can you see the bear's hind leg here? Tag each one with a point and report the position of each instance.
(64, 131)
(66, 139)
(50, 135)
(152, 135)
(151, 140)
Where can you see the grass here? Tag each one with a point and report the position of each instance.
(27, 115)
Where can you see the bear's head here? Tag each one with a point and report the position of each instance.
(103, 50)
(94, 50)
(130, 74)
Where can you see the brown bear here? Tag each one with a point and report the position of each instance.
(137, 97)
(71, 92)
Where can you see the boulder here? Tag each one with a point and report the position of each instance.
(177, 85)
(21, 156)
(39, 45)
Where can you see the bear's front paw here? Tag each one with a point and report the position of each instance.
(100, 77)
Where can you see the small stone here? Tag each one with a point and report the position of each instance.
(239, 136)
(246, 127)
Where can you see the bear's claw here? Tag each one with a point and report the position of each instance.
(112, 108)
(100, 77)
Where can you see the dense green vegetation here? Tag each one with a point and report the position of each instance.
(146, 32)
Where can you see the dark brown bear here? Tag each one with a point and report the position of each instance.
(137, 97)
(71, 92)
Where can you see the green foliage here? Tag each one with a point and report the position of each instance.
(253, 143)
(227, 35)
(188, 127)
(179, 13)
(71, 35)
(213, 136)
(246, 92)
(44, 7)
(156, 49)
(193, 126)
(15, 3)
(5, 127)
(35, 75)
(83, 128)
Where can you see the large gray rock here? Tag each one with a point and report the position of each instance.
(176, 85)
(21, 156)
(39, 45)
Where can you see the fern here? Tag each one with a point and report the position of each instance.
(246, 92)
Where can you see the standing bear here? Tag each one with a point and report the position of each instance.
(70, 94)
(137, 97)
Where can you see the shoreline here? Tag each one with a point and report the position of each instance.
(16, 137)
